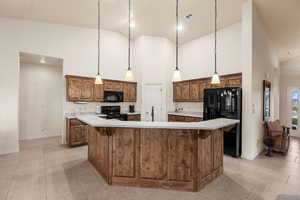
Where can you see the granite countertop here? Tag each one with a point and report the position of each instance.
(187, 114)
(95, 121)
(131, 113)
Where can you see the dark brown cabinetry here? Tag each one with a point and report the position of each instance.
(84, 89)
(178, 118)
(136, 117)
(130, 92)
(77, 132)
(80, 88)
(193, 90)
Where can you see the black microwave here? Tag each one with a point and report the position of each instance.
(112, 96)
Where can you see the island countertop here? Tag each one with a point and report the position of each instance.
(215, 124)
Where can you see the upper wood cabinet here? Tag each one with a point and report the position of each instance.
(193, 90)
(80, 88)
(98, 92)
(130, 91)
(181, 91)
(111, 85)
(85, 89)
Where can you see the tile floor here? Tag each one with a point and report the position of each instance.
(45, 170)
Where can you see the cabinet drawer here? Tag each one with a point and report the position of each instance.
(193, 119)
(134, 117)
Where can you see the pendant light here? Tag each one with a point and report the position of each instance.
(129, 75)
(216, 79)
(176, 74)
(98, 80)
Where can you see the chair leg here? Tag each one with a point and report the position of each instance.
(269, 152)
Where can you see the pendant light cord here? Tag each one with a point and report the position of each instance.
(98, 37)
(216, 15)
(177, 35)
(129, 34)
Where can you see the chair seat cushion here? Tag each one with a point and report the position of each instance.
(275, 128)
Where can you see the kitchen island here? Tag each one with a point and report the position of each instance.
(169, 155)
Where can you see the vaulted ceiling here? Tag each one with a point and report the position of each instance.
(282, 21)
(152, 17)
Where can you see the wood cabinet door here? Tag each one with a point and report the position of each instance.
(204, 84)
(130, 92)
(181, 151)
(185, 91)
(76, 134)
(123, 154)
(235, 81)
(87, 89)
(177, 93)
(179, 118)
(85, 134)
(154, 154)
(111, 85)
(194, 91)
(73, 88)
(98, 92)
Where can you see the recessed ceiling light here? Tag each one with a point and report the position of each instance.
(43, 61)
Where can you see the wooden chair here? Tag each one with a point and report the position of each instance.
(280, 135)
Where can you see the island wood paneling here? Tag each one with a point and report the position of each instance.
(153, 157)
(181, 152)
(123, 157)
(157, 158)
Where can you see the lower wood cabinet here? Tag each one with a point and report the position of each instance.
(177, 118)
(76, 132)
(136, 117)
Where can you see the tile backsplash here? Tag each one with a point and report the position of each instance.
(189, 106)
(70, 107)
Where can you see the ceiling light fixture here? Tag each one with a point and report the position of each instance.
(129, 74)
(215, 78)
(98, 79)
(176, 73)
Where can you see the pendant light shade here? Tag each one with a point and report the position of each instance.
(129, 74)
(176, 73)
(98, 79)
(215, 78)
(176, 76)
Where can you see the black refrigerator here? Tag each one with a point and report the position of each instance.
(226, 103)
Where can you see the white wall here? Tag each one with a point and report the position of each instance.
(41, 106)
(264, 67)
(289, 77)
(154, 56)
(196, 59)
(78, 48)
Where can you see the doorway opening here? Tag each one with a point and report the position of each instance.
(293, 110)
(40, 96)
(152, 106)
